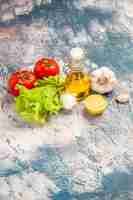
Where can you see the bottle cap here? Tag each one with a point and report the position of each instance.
(77, 53)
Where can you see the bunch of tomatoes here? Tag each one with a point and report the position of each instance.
(44, 67)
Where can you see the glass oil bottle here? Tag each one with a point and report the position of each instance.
(78, 82)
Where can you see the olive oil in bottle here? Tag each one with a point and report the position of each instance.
(77, 82)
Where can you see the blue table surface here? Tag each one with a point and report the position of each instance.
(98, 163)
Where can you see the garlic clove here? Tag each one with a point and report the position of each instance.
(122, 98)
(68, 101)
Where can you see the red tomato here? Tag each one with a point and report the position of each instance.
(23, 77)
(46, 67)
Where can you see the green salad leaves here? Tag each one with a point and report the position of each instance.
(37, 104)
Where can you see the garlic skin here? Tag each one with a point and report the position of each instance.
(103, 80)
(68, 101)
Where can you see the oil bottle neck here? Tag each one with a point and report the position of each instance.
(77, 66)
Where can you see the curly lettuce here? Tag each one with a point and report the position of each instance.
(37, 104)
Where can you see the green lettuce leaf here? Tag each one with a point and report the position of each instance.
(37, 104)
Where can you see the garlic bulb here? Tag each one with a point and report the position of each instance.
(103, 80)
(68, 101)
